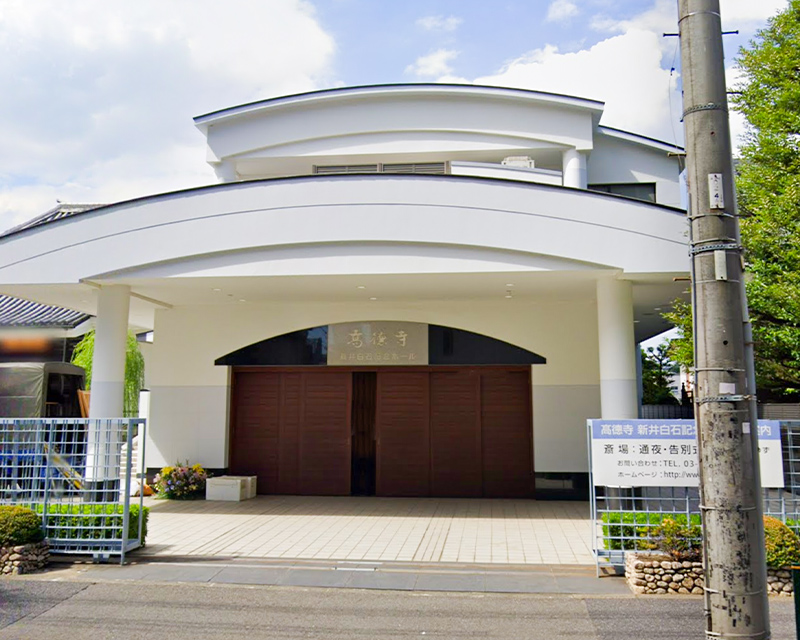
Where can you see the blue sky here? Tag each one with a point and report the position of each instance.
(98, 97)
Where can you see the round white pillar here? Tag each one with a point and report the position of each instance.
(110, 341)
(618, 383)
(574, 169)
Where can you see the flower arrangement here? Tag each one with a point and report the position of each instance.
(181, 482)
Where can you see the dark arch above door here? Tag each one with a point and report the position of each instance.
(446, 346)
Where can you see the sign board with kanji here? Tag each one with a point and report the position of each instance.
(663, 453)
(378, 343)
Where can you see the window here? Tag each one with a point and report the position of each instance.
(436, 168)
(637, 190)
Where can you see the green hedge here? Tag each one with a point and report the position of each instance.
(18, 526)
(93, 521)
(783, 545)
(636, 528)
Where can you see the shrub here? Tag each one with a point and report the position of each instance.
(633, 531)
(18, 526)
(681, 540)
(93, 521)
(783, 545)
(181, 482)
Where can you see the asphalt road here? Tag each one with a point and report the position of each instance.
(42, 609)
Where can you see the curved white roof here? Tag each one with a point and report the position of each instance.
(570, 225)
(371, 92)
(413, 123)
(316, 237)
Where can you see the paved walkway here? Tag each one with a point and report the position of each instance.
(520, 532)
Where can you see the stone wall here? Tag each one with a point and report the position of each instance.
(779, 581)
(25, 558)
(661, 574)
(654, 574)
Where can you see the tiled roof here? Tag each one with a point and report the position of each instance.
(56, 213)
(15, 312)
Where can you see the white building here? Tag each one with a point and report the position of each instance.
(420, 216)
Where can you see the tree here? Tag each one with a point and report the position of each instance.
(768, 189)
(83, 356)
(657, 372)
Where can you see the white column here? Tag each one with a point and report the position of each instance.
(108, 365)
(108, 389)
(574, 169)
(618, 386)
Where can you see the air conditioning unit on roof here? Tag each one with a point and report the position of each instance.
(525, 162)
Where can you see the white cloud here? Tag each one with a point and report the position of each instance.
(561, 11)
(439, 23)
(623, 71)
(434, 64)
(748, 13)
(662, 17)
(98, 97)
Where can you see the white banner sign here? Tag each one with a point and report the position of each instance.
(663, 453)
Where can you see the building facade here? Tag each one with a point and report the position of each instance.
(400, 290)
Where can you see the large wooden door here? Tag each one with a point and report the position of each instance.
(506, 434)
(455, 433)
(325, 434)
(403, 433)
(460, 432)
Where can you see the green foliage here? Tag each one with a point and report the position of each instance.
(768, 186)
(783, 545)
(657, 372)
(83, 356)
(18, 526)
(93, 521)
(637, 528)
(181, 482)
(681, 347)
(681, 540)
(768, 189)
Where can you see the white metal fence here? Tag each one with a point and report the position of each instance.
(78, 474)
(623, 517)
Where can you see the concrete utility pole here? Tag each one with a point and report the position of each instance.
(736, 600)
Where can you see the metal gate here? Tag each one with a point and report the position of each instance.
(78, 475)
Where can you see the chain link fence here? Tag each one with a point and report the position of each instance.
(78, 474)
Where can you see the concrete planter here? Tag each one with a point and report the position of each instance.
(659, 574)
(25, 558)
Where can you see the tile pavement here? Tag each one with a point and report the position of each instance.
(519, 532)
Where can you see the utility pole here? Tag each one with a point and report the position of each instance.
(730, 493)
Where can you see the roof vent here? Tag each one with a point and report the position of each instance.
(525, 162)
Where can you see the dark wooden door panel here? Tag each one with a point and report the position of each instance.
(255, 428)
(362, 452)
(325, 434)
(506, 434)
(291, 402)
(403, 430)
(455, 433)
